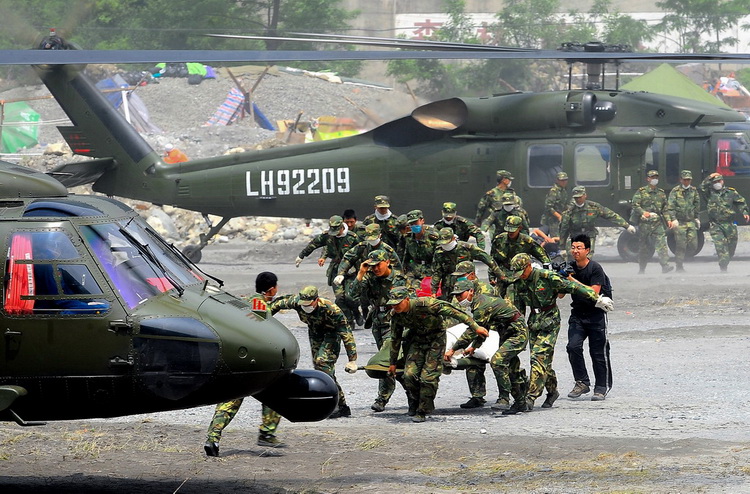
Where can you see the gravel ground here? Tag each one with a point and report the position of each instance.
(675, 420)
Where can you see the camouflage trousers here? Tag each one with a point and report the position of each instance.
(424, 365)
(381, 331)
(476, 380)
(652, 234)
(543, 330)
(324, 357)
(724, 236)
(226, 411)
(345, 299)
(685, 240)
(507, 366)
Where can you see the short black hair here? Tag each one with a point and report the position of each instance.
(349, 213)
(265, 281)
(584, 239)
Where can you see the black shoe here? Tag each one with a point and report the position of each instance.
(667, 269)
(211, 448)
(377, 407)
(473, 403)
(517, 406)
(269, 441)
(551, 398)
(345, 411)
(412, 408)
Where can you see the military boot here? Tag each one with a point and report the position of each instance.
(680, 269)
(211, 448)
(474, 402)
(502, 403)
(518, 391)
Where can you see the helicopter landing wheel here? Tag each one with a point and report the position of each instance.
(689, 253)
(628, 245)
(193, 252)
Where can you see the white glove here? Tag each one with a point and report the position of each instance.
(604, 303)
(697, 223)
(338, 279)
(351, 367)
(631, 229)
(675, 223)
(298, 261)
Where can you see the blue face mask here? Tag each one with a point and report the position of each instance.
(416, 228)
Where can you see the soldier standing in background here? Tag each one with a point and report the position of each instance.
(509, 208)
(722, 204)
(463, 228)
(491, 200)
(386, 219)
(651, 213)
(555, 204)
(419, 248)
(684, 204)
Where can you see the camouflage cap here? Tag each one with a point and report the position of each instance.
(579, 191)
(508, 198)
(501, 174)
(715, 177)
(449, 208)
(513, 223)
(397, 294)
(372, 231)
(652, 173)
(686, 174)
(334, 223)
(382, 202)
(463, 268)
(402, 221)
(414, 215)
(377, 256)
(308, 295)
(519, 262)
(445, 236)
(461, 286)
(562, 176)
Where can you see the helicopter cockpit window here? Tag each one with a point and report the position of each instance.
(544, 162)
(592, 164)
(733, 156)
(45, 275)
(139, 266)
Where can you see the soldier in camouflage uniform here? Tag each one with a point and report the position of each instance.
(463, 228)
(491, 200)
(419, 248)
(350, 220)
(424, 317)
(722, 205)
(508, 209)
(449, 253)
(555, 204)
(475, 379)
(580, 219)
(683, 204)
(375, 278)
(327, 328)
(651, 213)
(402, 226)
(495, 313)
(336, 242)
(538, 289)
(513, 241)
(386, 219)
(266, 286)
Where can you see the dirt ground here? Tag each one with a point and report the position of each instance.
(675, 421)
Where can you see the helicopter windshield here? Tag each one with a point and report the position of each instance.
(139, 264)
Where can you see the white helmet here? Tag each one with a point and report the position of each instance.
(168, 147)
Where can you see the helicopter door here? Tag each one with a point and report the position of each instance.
(56, 304)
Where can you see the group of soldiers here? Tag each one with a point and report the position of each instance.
(408, 282)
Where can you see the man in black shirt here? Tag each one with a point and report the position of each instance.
(589, 320)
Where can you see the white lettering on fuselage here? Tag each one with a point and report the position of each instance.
(269, 183)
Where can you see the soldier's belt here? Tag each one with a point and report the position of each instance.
(538, 310)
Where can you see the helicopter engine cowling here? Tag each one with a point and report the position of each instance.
(516, 112)
(304, 395)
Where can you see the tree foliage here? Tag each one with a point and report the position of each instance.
(702, 25)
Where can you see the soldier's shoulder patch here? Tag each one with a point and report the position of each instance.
(259, 307)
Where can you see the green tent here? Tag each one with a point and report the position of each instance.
(16, 133)
(665, 79)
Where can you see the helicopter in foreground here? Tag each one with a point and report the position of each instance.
(605, 139)
(101, 318)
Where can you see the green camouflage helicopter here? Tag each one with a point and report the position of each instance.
(101, 318)
(605, 139)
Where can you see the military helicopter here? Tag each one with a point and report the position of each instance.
(102, 318)
(605, 139)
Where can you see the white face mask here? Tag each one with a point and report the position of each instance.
(579, 205)
(374, 242)
(654, 181)
(343, 232)
(685, 186)
(509, 207)
(509, 183)
(382, 217)
(717, 185)
(450, 246)
(449, 221)
(465, 302)
(307, 309)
